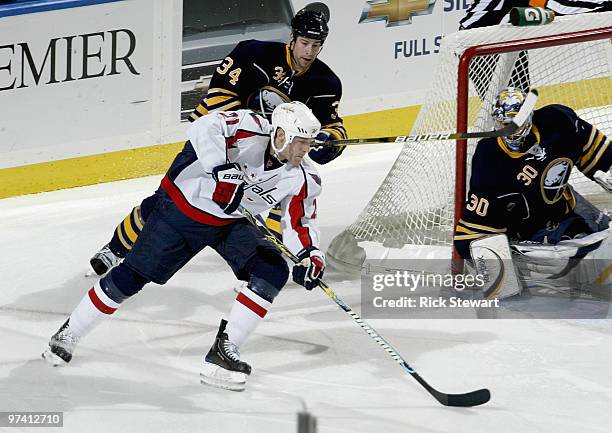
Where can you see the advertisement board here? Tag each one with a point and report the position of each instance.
(101, 92)
(79, 81)
(383, 51)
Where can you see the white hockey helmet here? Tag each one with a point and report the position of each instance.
(296, 120)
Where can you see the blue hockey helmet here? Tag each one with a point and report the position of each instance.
(507, 105)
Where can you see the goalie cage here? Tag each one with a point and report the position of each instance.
(417, 205)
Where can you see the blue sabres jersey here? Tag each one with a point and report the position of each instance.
(521, 193)
(254, 65)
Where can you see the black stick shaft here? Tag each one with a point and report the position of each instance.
(474, 398)
(416, 138)
(518, 121)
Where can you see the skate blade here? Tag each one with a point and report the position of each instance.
(53, 359)
(218, 377)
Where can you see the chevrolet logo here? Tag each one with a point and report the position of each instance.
(395, 12)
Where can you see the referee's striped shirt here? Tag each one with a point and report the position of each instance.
(482, 13)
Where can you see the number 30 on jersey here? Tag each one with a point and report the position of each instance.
(527, 174)
(478, 205)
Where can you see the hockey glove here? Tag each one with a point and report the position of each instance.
(230, 187)
(309, 271)
(323, 153)
(322, 138)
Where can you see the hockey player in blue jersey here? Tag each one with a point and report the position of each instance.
(258, 75)
(519, 184)
(231, 159)
(285, 72)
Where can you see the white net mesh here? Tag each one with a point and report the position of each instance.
(414, 204)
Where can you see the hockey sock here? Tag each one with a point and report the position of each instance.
(94, 307)
(273, 222)
(126, 233)
(247, 311)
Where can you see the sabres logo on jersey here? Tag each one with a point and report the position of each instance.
(555, 178)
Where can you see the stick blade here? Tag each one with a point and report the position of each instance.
(469, 399)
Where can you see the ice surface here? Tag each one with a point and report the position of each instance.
(138, 372)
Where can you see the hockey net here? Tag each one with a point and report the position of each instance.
(568, 61)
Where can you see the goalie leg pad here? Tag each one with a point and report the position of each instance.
(492, 259)
(580, 261)
(596, 267)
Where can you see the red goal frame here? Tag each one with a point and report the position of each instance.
(463, 83)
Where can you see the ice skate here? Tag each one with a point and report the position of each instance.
(61, 346)
(104, 260)
(222, 366)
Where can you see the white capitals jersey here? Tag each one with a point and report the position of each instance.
(242, 137)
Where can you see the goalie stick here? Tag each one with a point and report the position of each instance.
(518, 121)
(467, 399)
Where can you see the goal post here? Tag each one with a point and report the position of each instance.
(416, 207)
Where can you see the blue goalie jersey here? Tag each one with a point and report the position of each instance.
(522, 193)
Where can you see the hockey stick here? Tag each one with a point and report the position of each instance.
(518, 121)
(468, 399)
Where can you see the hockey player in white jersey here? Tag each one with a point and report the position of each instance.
(231, 159)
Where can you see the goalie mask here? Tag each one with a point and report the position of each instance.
(296, 120)
(265, 101)
(506, 107)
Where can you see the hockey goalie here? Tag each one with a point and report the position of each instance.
(520, 205)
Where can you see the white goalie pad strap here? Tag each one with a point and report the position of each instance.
(492, 259)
